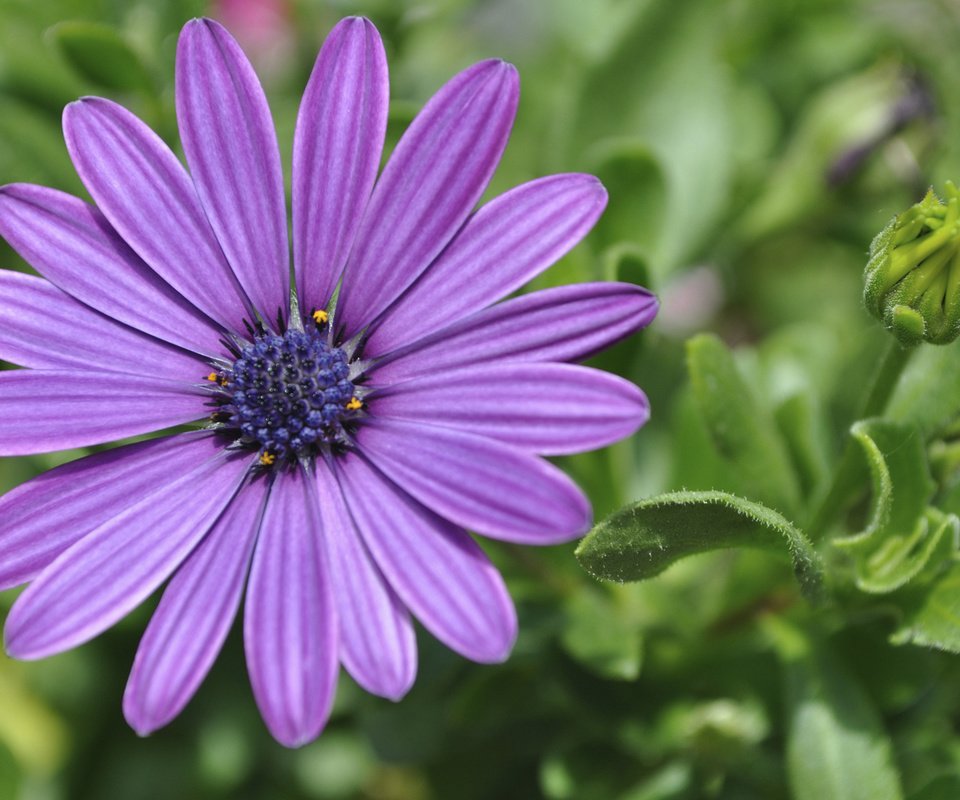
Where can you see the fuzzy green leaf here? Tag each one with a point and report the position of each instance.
(743, 433)
(642, 540)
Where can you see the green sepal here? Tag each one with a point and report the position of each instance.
(641, 540)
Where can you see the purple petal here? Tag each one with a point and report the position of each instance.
(438, 571)
(552, 409)
(46, 410)
(336, 154)
(48, 514)
(114, 568)
(508, 242)
(231, 148)
(74, 247)
(567, 323)
(478, 483)
(189, 626)
(42, 327)
(434, 178)
(150, 200)
(377, 642)
(290, 621)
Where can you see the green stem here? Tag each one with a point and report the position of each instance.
(885, 380)
(847, 478)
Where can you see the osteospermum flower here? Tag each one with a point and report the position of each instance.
(347, 446)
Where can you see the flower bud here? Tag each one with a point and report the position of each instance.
(912, 280)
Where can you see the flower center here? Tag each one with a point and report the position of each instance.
(288, 396)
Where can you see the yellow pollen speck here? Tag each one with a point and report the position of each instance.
(213, 378)
(354, 404)
(267, 458)
(320, 317)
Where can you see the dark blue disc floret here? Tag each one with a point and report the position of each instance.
(288, 396)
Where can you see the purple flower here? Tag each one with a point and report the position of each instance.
(348, 443)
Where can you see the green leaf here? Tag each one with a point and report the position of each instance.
(31, 147)
(636, 185)
(27, 72)
(691, 138)
(9, 774)
(928, 392)
(672, 782)
(602, 636)
(898, 471)
(29, 729)
(696, 465)
(943, 787)
(902, 533)
(741, 431)
(837, 748)
(626, 262)
(931, 615)
(337, 765)
(642, 540)
(722, 731)
(593, 29)
(99, 54)
(799, 421)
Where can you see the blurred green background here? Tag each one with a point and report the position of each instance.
(751, 149)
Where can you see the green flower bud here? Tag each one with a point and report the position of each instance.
(912, 280)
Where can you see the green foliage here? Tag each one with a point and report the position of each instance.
(836, 746)
(100, 55)
(634, 179)
(902, 533)
(931, 615)
(9, 774)
(642, 540)
(929, 393)
(603, 635)
(694, 149)
(841, 116)
(743, 433)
